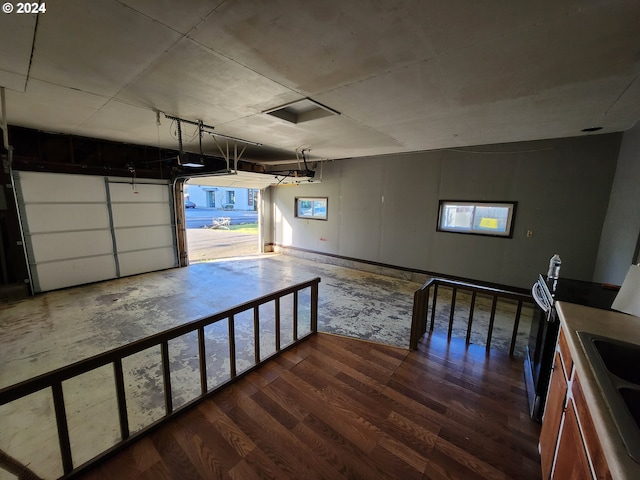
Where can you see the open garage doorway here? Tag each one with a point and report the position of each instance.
(224, 216)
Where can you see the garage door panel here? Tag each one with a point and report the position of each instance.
(125, 192)
(55, 187)
(144, 214)
(132, 263)
(78, 271)
(139, 238)
(66, 217)
(59, 246)
(70, 223)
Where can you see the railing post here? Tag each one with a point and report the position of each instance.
(295, 316)
(415, 320)
(491, 320)
(452, 311)
(232, 347)
(515, 328)
(471, 309)
(166, 376)
(121, 398)
(420, 314)
(63, 427)
(314, 307)
(433, 305)
(277, 320)
(202, 358)
(256, 333)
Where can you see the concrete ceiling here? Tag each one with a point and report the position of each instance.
(405, 75)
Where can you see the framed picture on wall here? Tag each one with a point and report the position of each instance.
(312, 207)
(478, 218)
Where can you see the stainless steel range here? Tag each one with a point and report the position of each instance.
(545, 326)
(541, 347)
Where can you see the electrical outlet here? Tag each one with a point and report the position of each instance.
(529, 233)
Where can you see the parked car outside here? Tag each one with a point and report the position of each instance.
(189, 204)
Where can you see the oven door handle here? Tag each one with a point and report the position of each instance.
(540, 298)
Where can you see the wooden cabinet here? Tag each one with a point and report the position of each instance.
(552, 417)
(569, 445)
(572, 462)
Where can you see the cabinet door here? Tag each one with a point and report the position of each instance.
(552, 416)
(572, 462)
(588, 429)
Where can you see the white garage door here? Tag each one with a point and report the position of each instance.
(81, 228)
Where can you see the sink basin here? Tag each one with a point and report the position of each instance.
(632, 401)
(615, 366)
(620, 358)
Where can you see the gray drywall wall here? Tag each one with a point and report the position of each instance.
(621, 230)
(384, 209)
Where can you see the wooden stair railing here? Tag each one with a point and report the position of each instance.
(421, 308)
(53, 380)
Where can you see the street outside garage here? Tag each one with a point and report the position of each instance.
(205, 243)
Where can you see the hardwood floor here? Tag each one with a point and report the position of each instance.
(335, 407)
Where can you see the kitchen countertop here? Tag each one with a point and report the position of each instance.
(619, 326)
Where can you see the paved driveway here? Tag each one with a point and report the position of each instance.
(206, 244)
(199, 217)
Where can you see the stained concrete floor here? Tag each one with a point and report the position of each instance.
(57, 328)
(54, 329)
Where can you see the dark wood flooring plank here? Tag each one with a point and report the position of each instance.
(145, 454)
(173, 456)
(467, 464)
(343, 421)
(233, 435)
(206, 448)
(336, 449)
(244, 471)
(376, 412)
(287, 453)
(157, 471)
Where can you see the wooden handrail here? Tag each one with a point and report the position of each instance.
(421, 308)
(54, 379)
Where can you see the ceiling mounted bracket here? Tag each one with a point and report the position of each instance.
(226, 154)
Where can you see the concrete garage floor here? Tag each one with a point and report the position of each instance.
(56, 328)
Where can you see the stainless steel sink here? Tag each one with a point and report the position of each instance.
(616, 365)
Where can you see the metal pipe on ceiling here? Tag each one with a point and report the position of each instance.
(209, 129)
